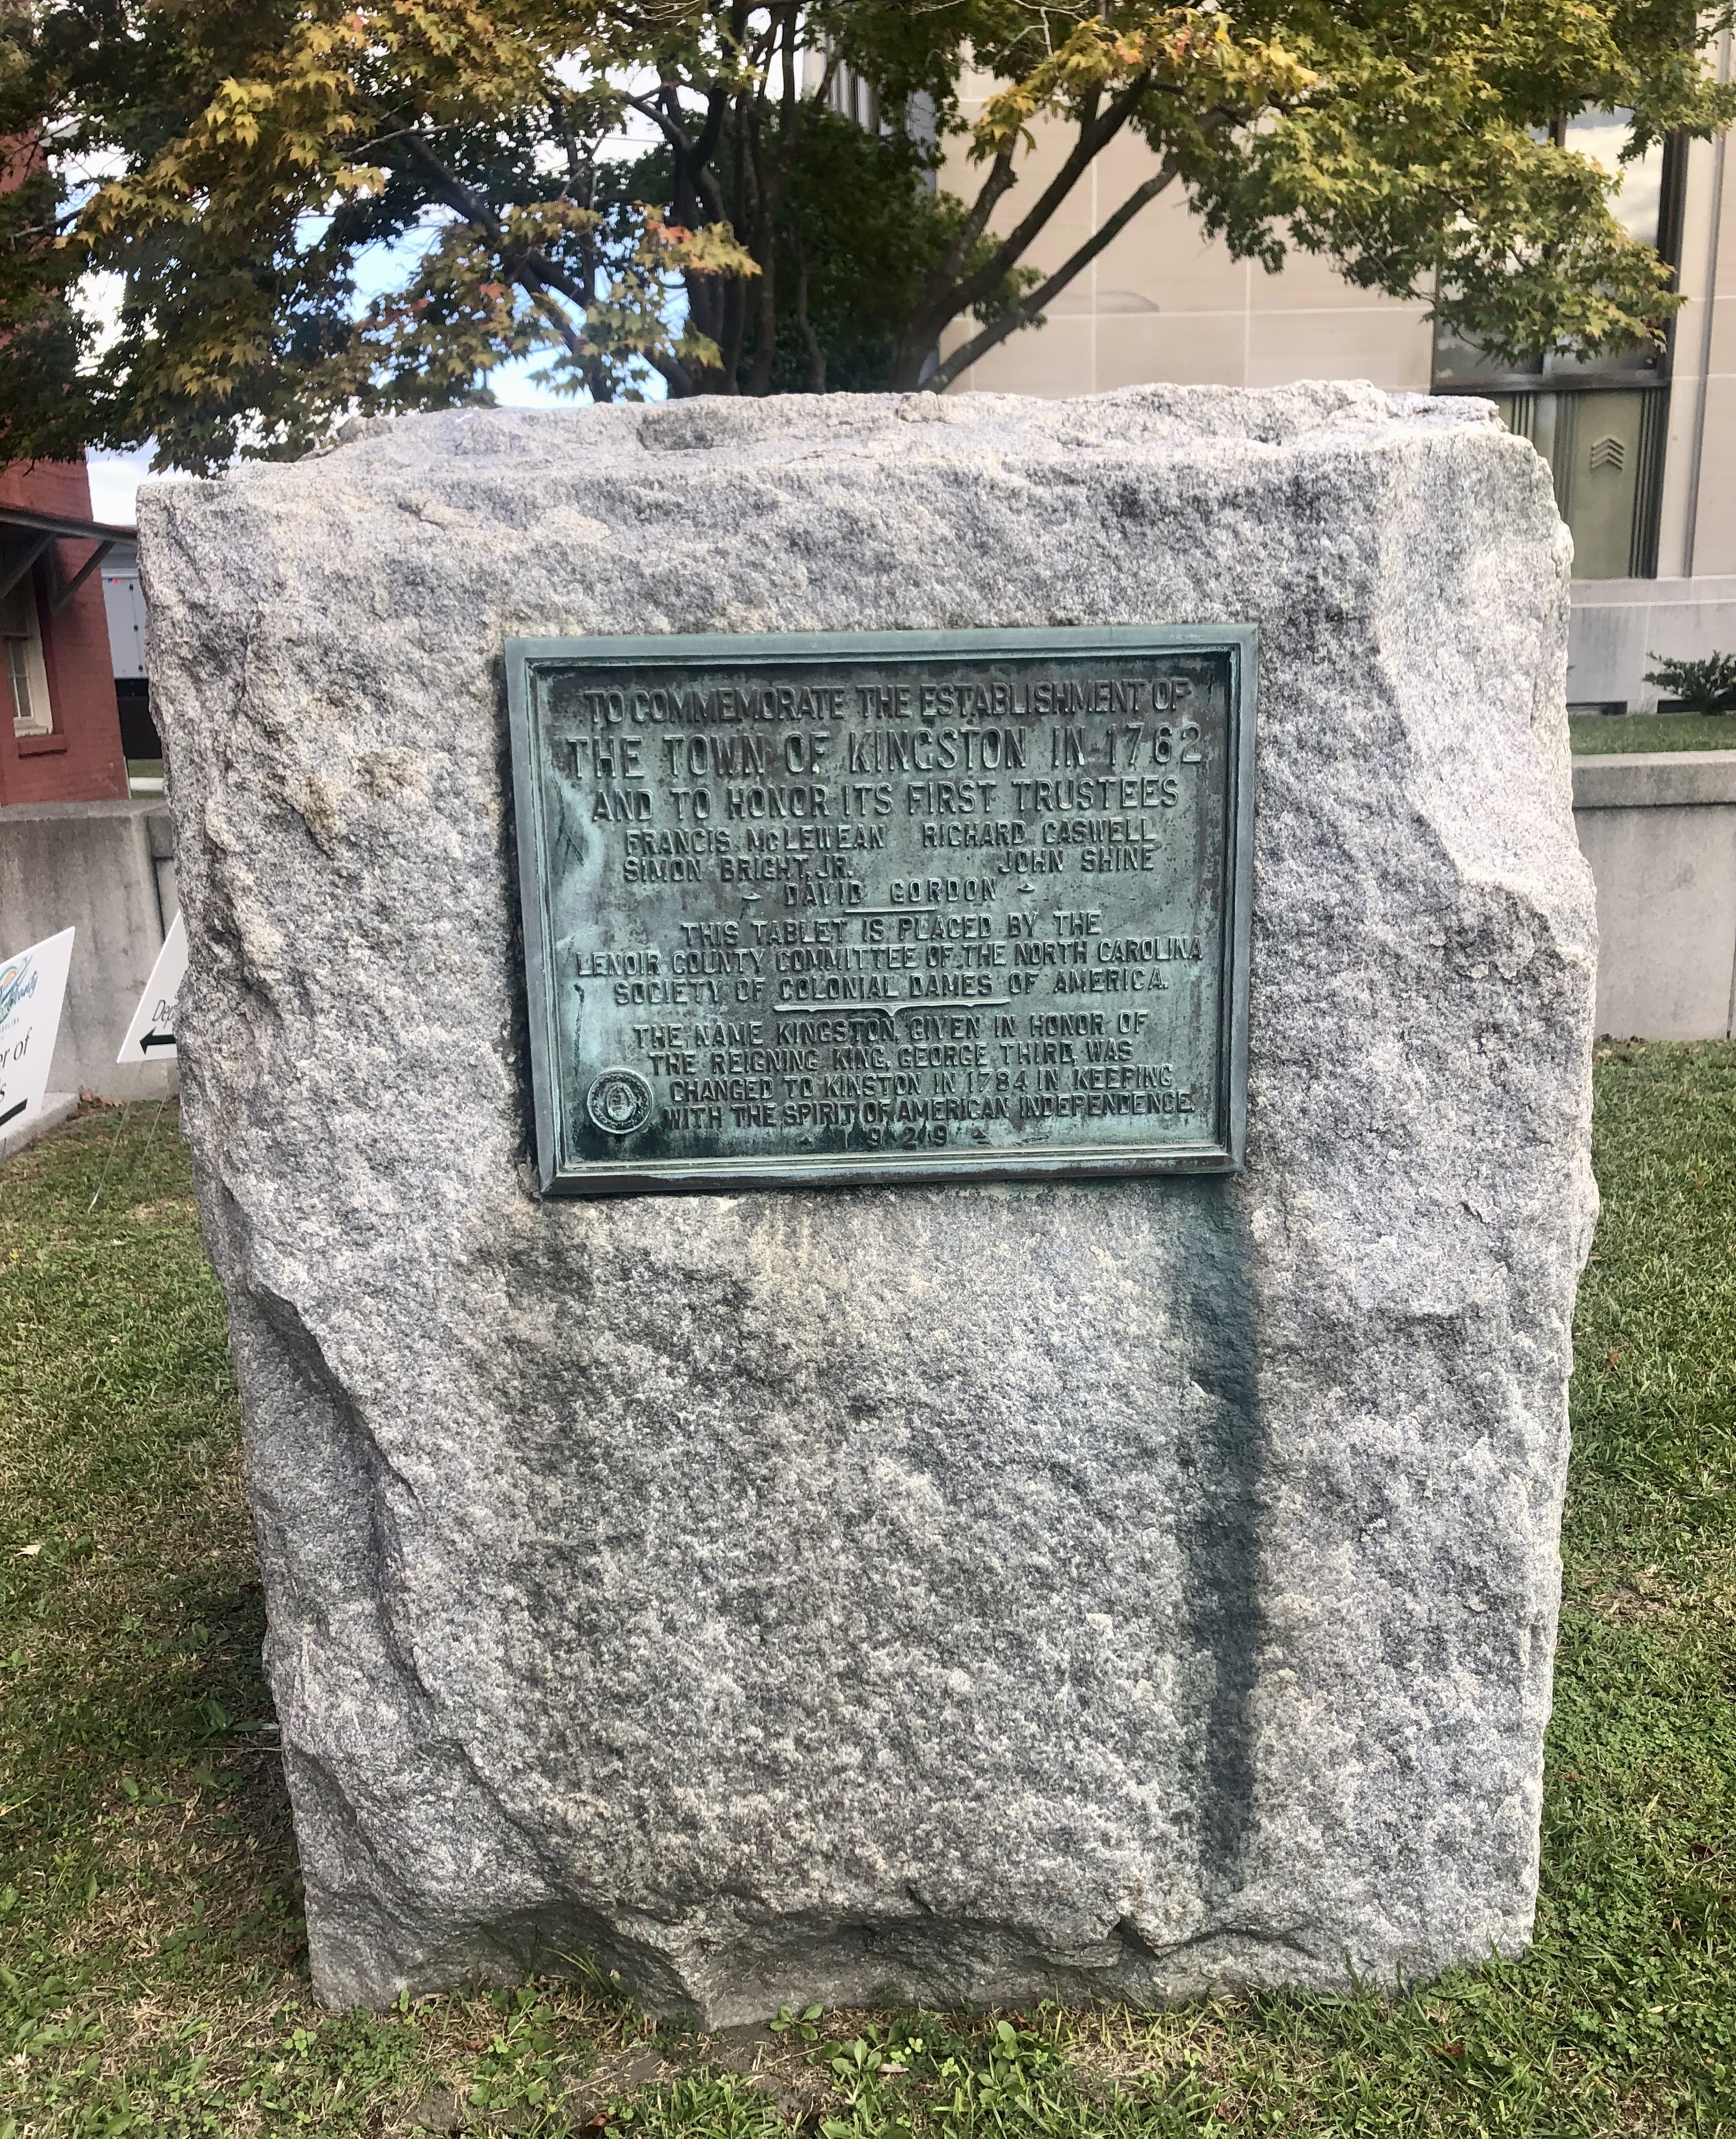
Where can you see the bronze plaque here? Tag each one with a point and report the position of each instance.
(838, 907)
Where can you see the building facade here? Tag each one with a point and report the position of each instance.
(60, 727)
(1642, 447)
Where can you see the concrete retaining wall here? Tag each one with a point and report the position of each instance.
(1621, 629)
(1659, 829)
(107, 870)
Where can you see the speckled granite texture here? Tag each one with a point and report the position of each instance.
(1109, 1586)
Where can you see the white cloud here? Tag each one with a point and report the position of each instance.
(115, 480)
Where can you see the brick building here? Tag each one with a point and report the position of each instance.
(62, 741)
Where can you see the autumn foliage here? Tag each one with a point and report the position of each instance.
(315, 207)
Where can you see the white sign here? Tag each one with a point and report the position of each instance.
(32, 987)
(151, 1036)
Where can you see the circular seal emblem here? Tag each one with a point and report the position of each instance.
(619, 1101)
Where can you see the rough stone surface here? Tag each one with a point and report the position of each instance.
(1121, 1587)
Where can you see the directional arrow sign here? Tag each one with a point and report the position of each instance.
(151, 1036)
(32, 986)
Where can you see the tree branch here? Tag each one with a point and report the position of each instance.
(816, 354)
(789, 96)
(943, 297)
(769, 187)
(717, 104)
(946, 271)
(557, 318)
(1095, 135)
(692, 157)
(679, 379)
(526, 264)
(1027, 308)
(765, 307)
(459, 197)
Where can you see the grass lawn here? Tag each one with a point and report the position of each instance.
(152, 1964)
(1595, 735)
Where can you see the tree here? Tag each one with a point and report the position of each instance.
(42, 336)
(322, 205)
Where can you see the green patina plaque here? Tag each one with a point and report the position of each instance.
(837, 908)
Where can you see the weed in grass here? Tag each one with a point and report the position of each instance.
(153, 1972)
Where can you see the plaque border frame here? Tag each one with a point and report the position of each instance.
(926, 1169)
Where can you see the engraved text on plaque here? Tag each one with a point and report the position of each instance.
(901, 906)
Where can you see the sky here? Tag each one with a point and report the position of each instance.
(115, 480)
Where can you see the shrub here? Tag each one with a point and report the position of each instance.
(1700, 686)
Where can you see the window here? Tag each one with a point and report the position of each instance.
(1600, 421)
(26, 679)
